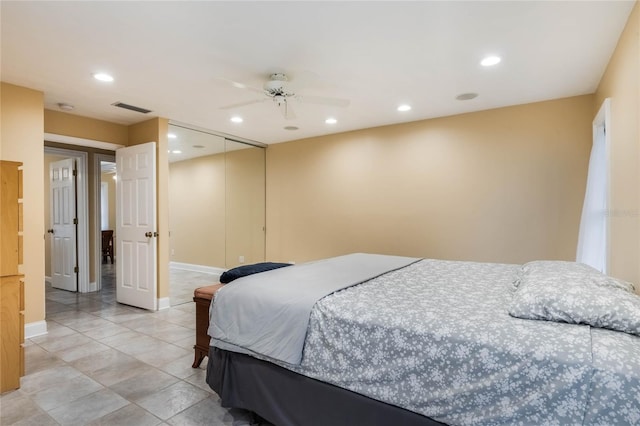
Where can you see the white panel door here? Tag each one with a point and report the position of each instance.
(136, 233)
(62, 209)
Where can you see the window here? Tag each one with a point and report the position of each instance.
(104, 206)
(593, 246)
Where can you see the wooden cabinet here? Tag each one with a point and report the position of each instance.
(11, 282)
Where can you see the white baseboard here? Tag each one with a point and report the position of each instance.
(34, 329)
(197, 268)
(164, 303)
(47, 279)
(92, 287)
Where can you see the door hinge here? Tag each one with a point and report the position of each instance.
(76, 269)
(75, 220)
(75, 173)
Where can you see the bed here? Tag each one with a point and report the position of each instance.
(425, 342)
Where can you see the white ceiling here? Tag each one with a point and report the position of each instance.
(172, 57)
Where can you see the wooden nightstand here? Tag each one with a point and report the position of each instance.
(203, 296)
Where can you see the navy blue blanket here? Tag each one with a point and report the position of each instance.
(243, 271)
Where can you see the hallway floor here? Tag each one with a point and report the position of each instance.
(103, 363)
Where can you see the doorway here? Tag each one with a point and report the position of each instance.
(106, 210)
(81, 241)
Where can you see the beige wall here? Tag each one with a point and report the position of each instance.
(61, 123)
(503, 185)
(21, 135)
(155, 130)
(621, 83)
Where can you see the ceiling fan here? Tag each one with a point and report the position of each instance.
(282, 92)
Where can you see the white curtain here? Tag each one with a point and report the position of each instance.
(592, 240)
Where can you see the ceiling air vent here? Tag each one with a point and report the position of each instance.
(131, 107)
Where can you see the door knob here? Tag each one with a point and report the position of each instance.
(50, 231)
(148, 234)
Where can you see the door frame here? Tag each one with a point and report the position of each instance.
(82, 211)
(97, 159)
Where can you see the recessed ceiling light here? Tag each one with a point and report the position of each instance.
(176, 151)
(466, 96)
(331, 120)
(291, 128)
(171, 135)
(490, 61)
(101, 76)
(404, 108)
(236, 119)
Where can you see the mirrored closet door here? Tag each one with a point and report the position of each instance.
(216, 207)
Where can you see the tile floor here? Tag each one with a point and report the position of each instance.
(183, 282)
(103, 363)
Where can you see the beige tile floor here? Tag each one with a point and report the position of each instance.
(182, 284)
(103, 363)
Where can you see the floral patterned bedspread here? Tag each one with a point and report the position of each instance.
(436, 338)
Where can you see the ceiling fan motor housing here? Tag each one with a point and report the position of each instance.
(277, 85)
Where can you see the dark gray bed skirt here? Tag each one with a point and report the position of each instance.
(285, 398)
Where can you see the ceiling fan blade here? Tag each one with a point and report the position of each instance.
(321, 100)
(240, 85)
(240, 104)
